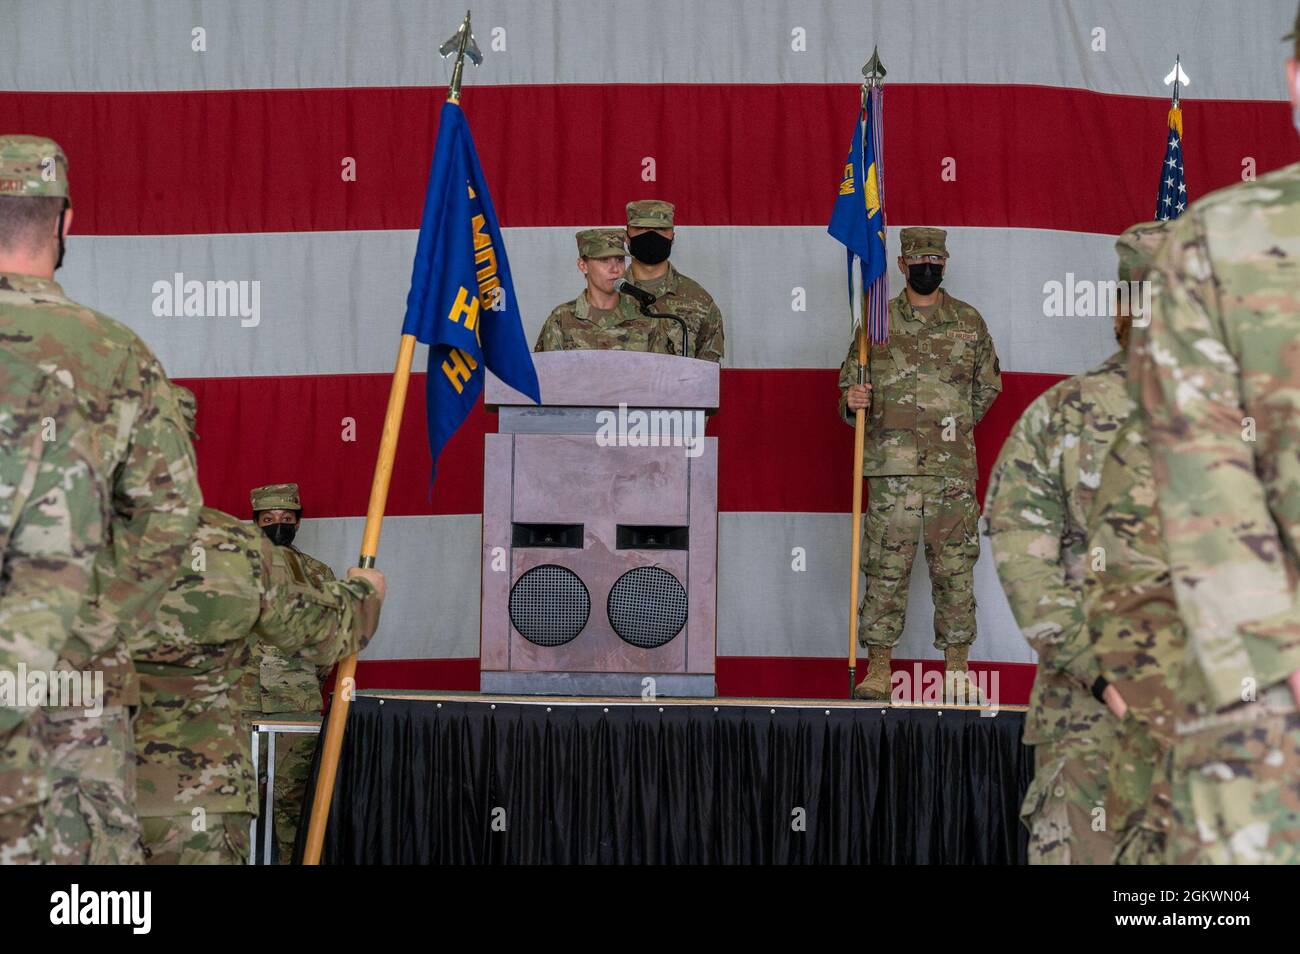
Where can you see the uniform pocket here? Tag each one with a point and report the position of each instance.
(894, 414)
(1044, 813)
(959, 500)
(235, 836)
(1228, 751)
(114, 835)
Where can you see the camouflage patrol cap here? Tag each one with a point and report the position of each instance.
(1137, 247)
(276, 497)
(650, 214)
(923, 241)
(602, 243)
(189, 409)
(32, 167)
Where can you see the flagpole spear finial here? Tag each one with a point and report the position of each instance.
(1177, 78)
(461, 44)
(873, 73)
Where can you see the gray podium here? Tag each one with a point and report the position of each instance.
(600, 529)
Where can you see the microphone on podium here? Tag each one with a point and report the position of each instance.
(644, 300)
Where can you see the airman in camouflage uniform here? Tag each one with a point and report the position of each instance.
(601, 318)
(1138, 641)
(1038, 507)
(141, 446)
(650, 233)
(52, 517)
(1132, 619)
(197, 794)
(926, 390)
(1220, 386)
(279, 683)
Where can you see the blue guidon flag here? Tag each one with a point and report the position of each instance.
(858, 219)
(462, 302)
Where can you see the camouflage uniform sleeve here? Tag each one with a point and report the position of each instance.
(987, 383)
(326, 573)
(51, 523)
(1220, 536)
(709, 344)
(1026, 520)
(320, 623)
(848, 376)
(156, 497)
(550, 338)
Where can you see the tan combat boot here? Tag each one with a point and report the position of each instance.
(875, 687)
(955, 674)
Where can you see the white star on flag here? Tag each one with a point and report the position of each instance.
(1172, 188)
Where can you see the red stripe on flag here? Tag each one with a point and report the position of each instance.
(782, 445)
(271, 160)
(761, 677)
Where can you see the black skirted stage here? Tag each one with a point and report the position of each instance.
(433, 778)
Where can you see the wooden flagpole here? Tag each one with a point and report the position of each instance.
(855, 557)
(874, 71)
(462, 43)
(345, 680)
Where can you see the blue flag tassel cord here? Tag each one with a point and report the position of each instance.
(461, 304)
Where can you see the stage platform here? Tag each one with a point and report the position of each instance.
(470, 778)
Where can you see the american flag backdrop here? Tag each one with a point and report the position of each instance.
(285, 144)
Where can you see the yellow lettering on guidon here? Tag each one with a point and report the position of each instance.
(466, 306)
(485, 257)
(846, 186)
(481, 238)
(458, 368)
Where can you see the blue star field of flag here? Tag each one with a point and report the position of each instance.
(1172, 198)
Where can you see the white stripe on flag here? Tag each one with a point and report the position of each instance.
(765, 607)
(332, 302)
(1110, 46)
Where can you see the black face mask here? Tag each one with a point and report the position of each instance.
(925, 277)
(281, 534)
(62, 218)
(650, 248)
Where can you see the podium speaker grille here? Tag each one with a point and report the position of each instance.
(647, 606)
(549, 605)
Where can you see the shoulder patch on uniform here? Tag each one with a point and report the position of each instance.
(294, 562)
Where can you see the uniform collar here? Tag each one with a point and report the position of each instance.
(1117, 360)
(12, 281)
(582, 308)
(908, 313)
(666, 284)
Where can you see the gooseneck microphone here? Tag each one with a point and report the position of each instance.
(644, 300)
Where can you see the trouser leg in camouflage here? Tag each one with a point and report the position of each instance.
(23, 838)
(90, 817)
(944, 513)
(24, 791)
(1064, 808)
(1142, 846)
(222, 839)
(1237, 793)
(293, 755)
(1138, 805)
